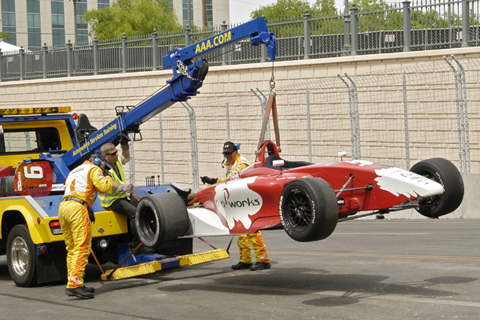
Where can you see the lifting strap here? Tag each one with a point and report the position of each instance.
(271, 107)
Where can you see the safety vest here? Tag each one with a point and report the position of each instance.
(106, 199)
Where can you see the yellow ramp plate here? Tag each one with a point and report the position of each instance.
(154, 266)
(198, 258)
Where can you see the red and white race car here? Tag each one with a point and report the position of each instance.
(307, 199)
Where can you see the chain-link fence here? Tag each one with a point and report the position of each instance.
(395, 117)
(406, 26)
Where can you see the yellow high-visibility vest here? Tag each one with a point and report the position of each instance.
(106, 199)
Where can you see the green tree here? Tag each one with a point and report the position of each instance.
(325, 7)
(283, 9)
(132, 17)
(3, 35)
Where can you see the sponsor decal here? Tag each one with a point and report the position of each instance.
(402, 182)
(236, 202)
(19, 181)
(222, 38)
(33, 172)
(95, 137)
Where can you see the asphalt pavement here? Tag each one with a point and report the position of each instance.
(375, 269)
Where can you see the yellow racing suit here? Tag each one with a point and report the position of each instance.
(232, 170)
(234, 167)
(258, 245)
(82, 183)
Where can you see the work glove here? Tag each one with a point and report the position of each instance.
(124, 142)
(208, 180)
(125, 187)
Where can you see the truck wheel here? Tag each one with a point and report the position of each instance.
(161, 217)
(21, 257)
(445, 173)
(308, 209)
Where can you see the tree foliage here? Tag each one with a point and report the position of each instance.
(3, 35)
(283, 9)
(132, 17)
(374, 15)
(291, 10)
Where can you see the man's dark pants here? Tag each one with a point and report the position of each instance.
(127, 208)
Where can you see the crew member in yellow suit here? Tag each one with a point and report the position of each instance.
(234, 164)
(75, 215)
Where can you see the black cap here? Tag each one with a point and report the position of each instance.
(229, 147)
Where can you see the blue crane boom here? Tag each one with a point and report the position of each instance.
(188, 76)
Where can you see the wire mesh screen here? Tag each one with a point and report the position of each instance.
(165, 149)
(236, 118)
(432, 112)
(404, 116)
(401, 116)
(313, 120)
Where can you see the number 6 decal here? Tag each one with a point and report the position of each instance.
(35, 172)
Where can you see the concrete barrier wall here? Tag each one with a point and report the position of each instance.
(97, 96)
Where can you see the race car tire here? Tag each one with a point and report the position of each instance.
(308, 209)
(445, 173)
(160, 218)
(21, 257)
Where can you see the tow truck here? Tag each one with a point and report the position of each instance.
(40, 146)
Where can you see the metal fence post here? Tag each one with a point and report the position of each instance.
(354, 116)
(69, 58)
(95, 56)
(309, 127)
(227, 110)
(188, 39)
(306, 29)
(22, 63)
(154, 50)
(405, 121)
(407, 25)
(347, 47)
(193, 146)
(465, 24)
(263, 53)
(162, 155)
(45, 60)
(124, 53)
(224, 27)
(462, 116)
(354, 28)
(131, 164)
(1, 65)
(263, 105)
